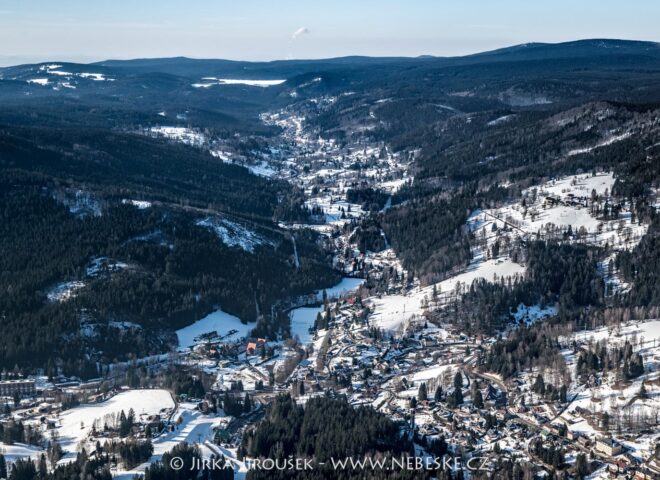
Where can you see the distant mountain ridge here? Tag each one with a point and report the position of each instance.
(576, 48)
(187, 66)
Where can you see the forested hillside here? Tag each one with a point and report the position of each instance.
(84, 177)
(172, 272)
(69, 199)
(303, 432)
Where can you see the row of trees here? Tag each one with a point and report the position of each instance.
(621, 359)
(14, 431)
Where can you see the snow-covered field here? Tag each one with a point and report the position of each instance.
(39, 81)
(431, 373)
(648, 330)
(211, 81)
(390, 312)
(336, 209)
(76, 424)
(557, 205)
(564, 209)
(97, 77)
(20, 451)
(60, 78)
(194, 428)
(346, 285)
(302, 319)
(504, 225)
(500, 120)
(219, 322)
(581, 185)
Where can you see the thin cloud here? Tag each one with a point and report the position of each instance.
(299, 32)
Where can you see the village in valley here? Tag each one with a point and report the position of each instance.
(381, 338)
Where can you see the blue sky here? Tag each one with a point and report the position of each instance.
(85, 30)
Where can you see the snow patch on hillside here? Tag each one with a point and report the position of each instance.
(391, 312)
(234, 234)
(219, 323)
(211, 81)
(38, 81)
(140, 204)
(97, 77)
(80, 203)
(62, 78)
(64, 291)
(550, 209)
(262, 169)
(179, 134)
(500, 120)
(604, 143)
(534, 313)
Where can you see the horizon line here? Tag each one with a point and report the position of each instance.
(312, 59)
